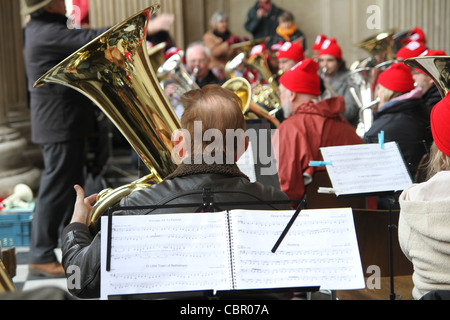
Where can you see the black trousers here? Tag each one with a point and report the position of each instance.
(64, 167)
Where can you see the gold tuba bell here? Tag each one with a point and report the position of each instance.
(114, 71)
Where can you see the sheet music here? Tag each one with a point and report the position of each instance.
(165, 253)
(366, 168)
(320, 250)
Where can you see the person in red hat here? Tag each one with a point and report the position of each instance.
(402, 116)
(411, 50)
(317, 45)
(309, 125)
(431, 94)
(289, 55)
(416, 34)
(425, 215)
(334, 73)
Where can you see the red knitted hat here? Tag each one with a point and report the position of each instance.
(291, 50)
(330, 46)
(172, 51)
(411, 50)
(417, 34)
(397, 77)
(440, 119)
(303, 78)
(319, 41)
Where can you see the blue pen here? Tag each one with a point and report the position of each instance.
(319, 164)
(381, 139)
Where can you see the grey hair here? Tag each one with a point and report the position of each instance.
(217, 17)
(199, 44)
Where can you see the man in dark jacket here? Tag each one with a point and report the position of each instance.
(214, 108)
(262, 19)
(59, 121)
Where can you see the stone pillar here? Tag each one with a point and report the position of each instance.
(15, 167)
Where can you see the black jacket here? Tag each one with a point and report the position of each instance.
(431, 98)
(58, 113)
(407, 123)
(184, 187)
(265, 27)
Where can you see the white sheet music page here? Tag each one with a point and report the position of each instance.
(319, 250)
(165, 253)
(366, 168)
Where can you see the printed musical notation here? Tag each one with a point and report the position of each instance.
(231, 251)
(320, 250)
(366, 168)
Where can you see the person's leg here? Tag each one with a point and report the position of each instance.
(54, 205)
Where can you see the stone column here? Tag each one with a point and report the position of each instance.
(15, 167)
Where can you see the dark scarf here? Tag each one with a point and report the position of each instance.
(223, 36)
(229, 170)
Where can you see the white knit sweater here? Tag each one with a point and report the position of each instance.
(424, 233)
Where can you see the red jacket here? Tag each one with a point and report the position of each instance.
(298, 140)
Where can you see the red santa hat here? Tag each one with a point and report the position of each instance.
(330, 47)
(291, 50)
(303, 78)
(172, 51)
(397, 77)
(258, 49)
(440, 118)
(319, 41)
(417, 34)
(411, 50)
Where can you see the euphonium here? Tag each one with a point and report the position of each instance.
(436, 67)
(379, 47)
(173, 71)
(114, 71)
(267, 97)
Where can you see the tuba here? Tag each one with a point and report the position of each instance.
(436, 67)
(114, 71)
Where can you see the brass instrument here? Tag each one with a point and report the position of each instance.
(262, 95)
(173, 71)
(379, 47)
(114, 71)
(156, 55)
(436, 67)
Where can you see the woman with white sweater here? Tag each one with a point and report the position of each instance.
(424, 224)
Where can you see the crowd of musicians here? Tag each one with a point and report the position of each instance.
(307, 96)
